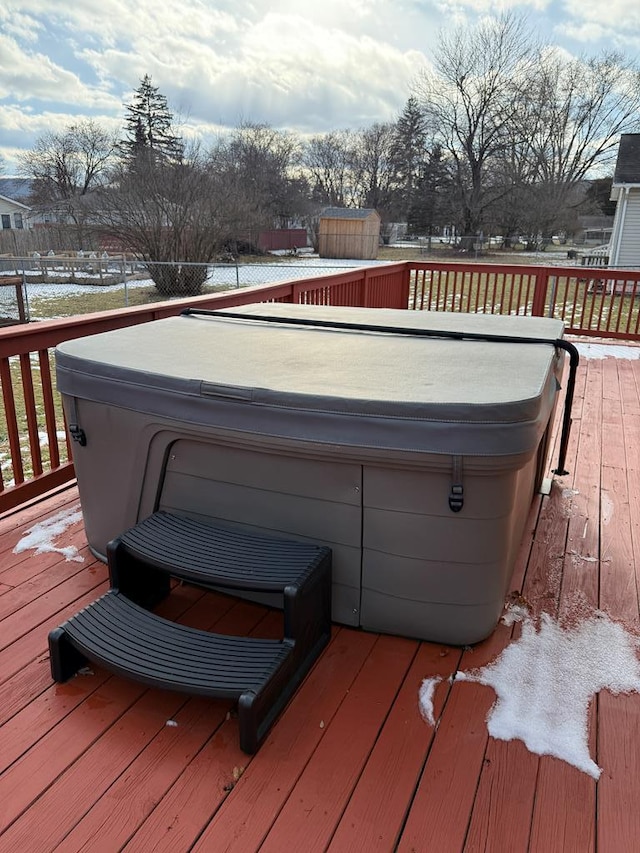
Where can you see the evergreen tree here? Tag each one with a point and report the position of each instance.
(148, 128)
(408, 153)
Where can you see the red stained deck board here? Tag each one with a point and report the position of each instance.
(618, 590)
(451, 792)
(565, 815)
(440, 810)
(31, 645)
(93, 769)
(619, 716)
(255, 802)
(188, 804)
(24, 781)
(45, 580)
(18, 623)
(15, 522)
(157, 766)
(308, 819)
(116, 815)
(501, 816)
(17, 567)
(565, 801)
(619, 785)
(375, 814)
(43, 713)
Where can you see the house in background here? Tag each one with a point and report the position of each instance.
(624, 248)
(349, 233)
(13, 214)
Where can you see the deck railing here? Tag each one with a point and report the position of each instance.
(591, 301)
(34, 449)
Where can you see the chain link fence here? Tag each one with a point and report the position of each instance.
(64, 285)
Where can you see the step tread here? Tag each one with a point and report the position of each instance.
(206, 553)
(125, 637)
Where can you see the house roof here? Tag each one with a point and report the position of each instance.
(628, 163)
(347, 213)
(14, 202)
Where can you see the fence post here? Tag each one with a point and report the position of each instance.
(124, 281)
(540, 291)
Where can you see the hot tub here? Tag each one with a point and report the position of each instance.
(414, 458)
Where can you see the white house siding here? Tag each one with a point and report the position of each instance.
(626, 236)
(13, 214)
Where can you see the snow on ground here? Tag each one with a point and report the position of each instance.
(546, 679)
(220, 275)
(42, 536)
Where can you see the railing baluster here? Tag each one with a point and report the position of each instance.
(31, 413)
(11, 420)
(49, 408)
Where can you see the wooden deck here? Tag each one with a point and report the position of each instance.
(101, 763)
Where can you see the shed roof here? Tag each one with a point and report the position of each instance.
(347, 213)
(628, 162)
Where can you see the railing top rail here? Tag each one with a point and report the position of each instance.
(567, 270)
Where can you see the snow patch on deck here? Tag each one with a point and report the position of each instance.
(546, 679)
(41, 537)
(607, 351)
(425, 699)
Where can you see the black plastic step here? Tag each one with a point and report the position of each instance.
(126, 639)
(142, 559)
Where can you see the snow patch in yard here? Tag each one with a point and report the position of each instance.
(546, 679)
(41, 537)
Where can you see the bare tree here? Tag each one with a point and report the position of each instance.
(260, 167)
(523, 125)
(328, 159)
(66, 167)
(372, 169)
(168, 212)
(583, 107)
(469, 103)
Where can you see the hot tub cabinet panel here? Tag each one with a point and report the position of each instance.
(356, 439)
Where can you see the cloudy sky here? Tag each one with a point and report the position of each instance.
(308, 65)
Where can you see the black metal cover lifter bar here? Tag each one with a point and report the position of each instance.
(559, 343)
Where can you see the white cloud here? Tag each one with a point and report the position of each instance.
(26, 76)
(307, 67)
(615, 23)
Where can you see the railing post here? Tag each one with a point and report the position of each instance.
(405, 284)
(540, 291)
(365, 289)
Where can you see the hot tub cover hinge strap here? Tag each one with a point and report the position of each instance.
(75, 430)
(456, 495)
